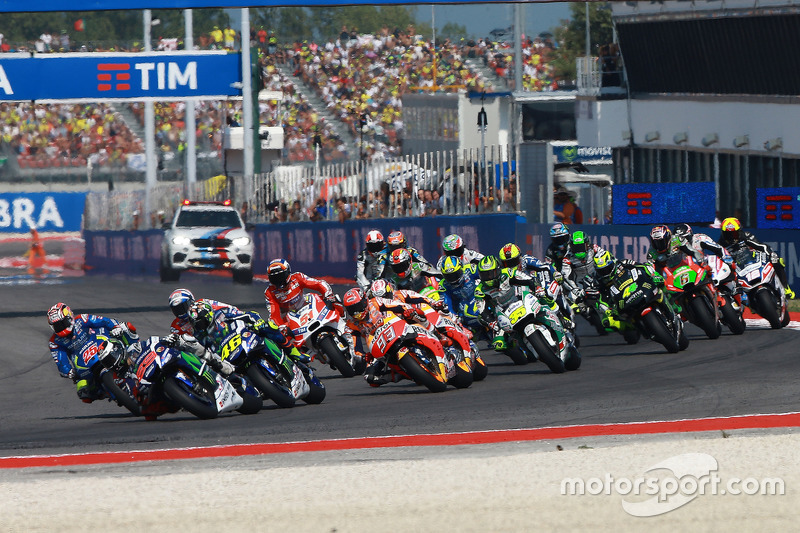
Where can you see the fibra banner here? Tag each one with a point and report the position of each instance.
(109, 76)
(56, 212)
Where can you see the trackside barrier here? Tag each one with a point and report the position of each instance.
(316, 248)
(329, 248)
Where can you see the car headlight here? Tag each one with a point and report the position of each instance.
(181, 240)
(241, 241)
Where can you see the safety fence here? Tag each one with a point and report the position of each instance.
(455, 182)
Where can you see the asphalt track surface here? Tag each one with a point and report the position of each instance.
(757, 372)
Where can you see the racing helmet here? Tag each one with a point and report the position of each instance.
(278, 272)
(580, 244)
(381, 288)
(396, 240)
(730, 228)
(60, 319)
(660, 237)
(400, 261)
(604, 264)
(355, 303)
(559, 234)
(452, 270)
(375, 242)
(453, 245)
(489, 270)
(684, 231)
(179, 302)
(201, 314)
(510, 255)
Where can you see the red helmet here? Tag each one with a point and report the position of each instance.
(375, 242)
(400, 261)
(60, 319)
(381, 288)
(396, 240)
(278, 272)
(355, 303)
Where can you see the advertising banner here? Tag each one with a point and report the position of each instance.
(45, 211)
(663, 203)
(114, 76)
(778, 208)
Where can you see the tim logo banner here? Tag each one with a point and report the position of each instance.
(54, 212)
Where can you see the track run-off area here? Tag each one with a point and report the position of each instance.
(491, 457)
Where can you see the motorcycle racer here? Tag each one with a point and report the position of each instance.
(371, 261)
(179, 302)
(397, 240)
(734, 238)
(454, 246)
(663, 246)
(211, 328)
(405, 272)
(559, 240)
(285, 292)
(71, 333)
(366, 316)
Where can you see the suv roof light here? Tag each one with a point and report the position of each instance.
(197, 202)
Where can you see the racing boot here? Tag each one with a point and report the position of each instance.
(217, 363)
(789, 293)
(376, 374)
(84, 391)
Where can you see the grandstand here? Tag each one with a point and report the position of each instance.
(709, 94)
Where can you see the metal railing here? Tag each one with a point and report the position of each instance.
(453, 182)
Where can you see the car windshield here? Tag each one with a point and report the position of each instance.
(210, 218)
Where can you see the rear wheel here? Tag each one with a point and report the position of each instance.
(268, 388)
(546, 353)
(659, 332)
(631, 336)
(479, 369)
(332, 352)
(768, 308)
(252, 404)
(704, 316)
(200, 404)
(123, 398)
(168, 274)
(733, 319)
(317, 390)
(428, 378)
(517, 355)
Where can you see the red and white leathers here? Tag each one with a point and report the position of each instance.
(375, 314)
(290, 297)
(448, 331)
(183, 325)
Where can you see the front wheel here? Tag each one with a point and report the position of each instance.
(704, 316)
(659, 332)
(202, 405)
(268, 388)
(327, 345)
(733, 319)
(421, 375)
(768, 308)
(546, 353)
(122, 397)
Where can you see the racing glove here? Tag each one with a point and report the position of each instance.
(329, 298)
(116, 331)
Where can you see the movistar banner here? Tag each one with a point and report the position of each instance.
(107, 76)
(588, 155)
(41, 210)
(17, 6)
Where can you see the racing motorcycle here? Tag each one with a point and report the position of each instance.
(171, 379)
(638, 299)
(539, 328)
(416, 354)
(115, 379)
(471, 318)
(693, 289)
(319, 329)
(765, 292)
(277, 376)
(731, 310)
